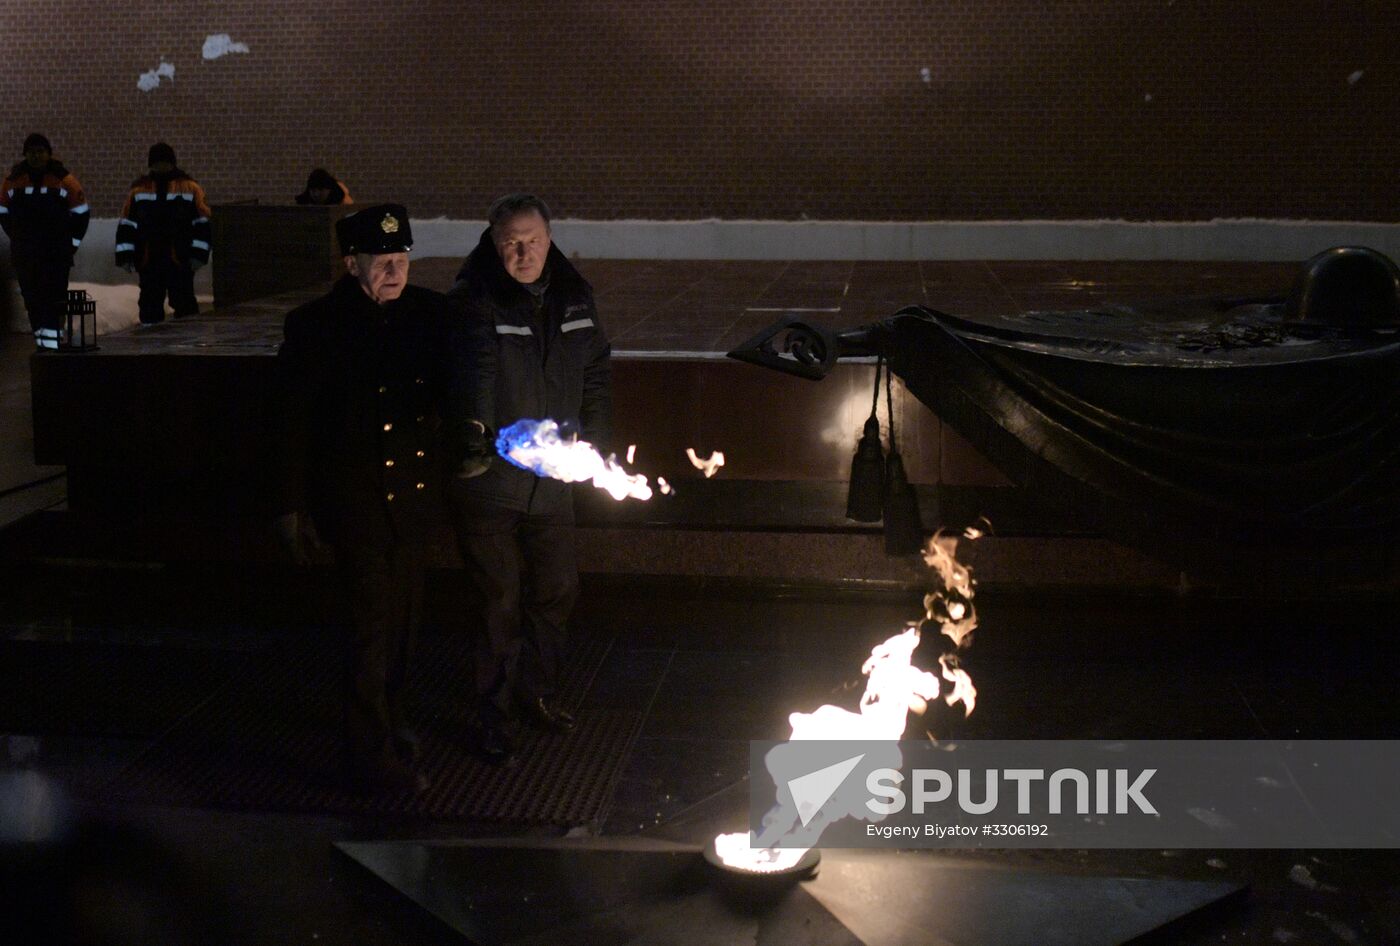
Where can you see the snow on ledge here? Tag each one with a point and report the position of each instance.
(1248, 240)
(1220, 239)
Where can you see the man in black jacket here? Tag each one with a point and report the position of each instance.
(365, 400)
(538, 351)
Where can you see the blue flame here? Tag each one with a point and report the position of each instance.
(550, 449)
(526, 433)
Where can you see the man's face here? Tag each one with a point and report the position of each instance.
(37, 157)
(523, 243)
(382, 275)
(319, 195)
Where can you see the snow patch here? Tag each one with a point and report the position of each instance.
(151, 80)
(117, 308)
(221, 44)
(1283, 240)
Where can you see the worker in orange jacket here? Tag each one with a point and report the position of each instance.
(164, 235)
(45, 214)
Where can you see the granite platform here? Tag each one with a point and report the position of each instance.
(165, 423)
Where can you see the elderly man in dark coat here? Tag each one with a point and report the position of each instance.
(538, 351)
(366, 402)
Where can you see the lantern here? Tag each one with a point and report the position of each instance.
(79, 330)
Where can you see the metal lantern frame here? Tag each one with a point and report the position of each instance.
(79, 329)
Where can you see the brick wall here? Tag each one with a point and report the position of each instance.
(674, 109)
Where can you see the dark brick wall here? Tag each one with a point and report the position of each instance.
(678, 109)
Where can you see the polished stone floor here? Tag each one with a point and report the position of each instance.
(713, 667)
(712, 306)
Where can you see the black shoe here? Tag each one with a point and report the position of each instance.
(545, 715)
(384, 777)
(406, 745)
(495, 744)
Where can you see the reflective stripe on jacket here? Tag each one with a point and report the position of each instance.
(165, 215)
(43, 212)
(534, 361)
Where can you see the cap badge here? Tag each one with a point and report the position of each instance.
(389, 224)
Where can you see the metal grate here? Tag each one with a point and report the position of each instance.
(270, 740)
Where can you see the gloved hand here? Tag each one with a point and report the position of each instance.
(195, 264)
(296, 533)
(480, 443)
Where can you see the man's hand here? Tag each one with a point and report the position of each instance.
(296, 533)
(481, 450)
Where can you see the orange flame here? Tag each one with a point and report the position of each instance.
(710, 466)
(894, 686)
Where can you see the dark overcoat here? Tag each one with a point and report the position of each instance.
(365, 414)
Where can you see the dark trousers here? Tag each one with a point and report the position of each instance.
(526, 572)
(43, 281)
(162, 276)
(382, 592)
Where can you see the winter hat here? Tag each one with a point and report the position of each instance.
(382, 228)
(320, 177)
(160, 152)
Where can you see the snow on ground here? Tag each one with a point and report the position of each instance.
(116, 306)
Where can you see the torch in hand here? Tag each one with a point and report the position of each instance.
(479, 442)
